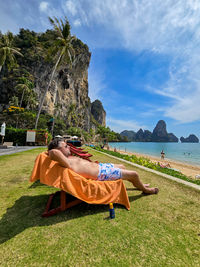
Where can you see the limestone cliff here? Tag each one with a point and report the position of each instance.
(159, 134)
(68, 94)
(67, 97)
(190, 139)
(98, 112)
(129, 134)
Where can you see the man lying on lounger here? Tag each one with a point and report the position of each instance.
(59, 151)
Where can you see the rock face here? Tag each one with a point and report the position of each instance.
(172, 138)
(98, 112)
(129, 134)
(67, 97)
(147, 136)
(190, 139)
(139, 137)
(69, 91)
(159, 134)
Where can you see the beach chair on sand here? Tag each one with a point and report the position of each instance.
(49, 172)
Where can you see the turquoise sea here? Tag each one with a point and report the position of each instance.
(184, 152)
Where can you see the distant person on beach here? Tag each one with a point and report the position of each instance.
(166, 165)
(162, 154)
(59, 151)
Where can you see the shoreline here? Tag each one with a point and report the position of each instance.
(185, 168)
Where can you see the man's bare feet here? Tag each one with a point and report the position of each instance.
(146, 185)
(150, 191)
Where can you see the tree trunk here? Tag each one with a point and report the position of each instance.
(52, 128)
(42, 100)
(22, 99)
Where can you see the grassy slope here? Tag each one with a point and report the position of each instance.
(159, 230)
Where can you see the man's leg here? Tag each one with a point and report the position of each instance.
(121, 166)
(133, 177)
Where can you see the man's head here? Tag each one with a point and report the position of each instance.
(60, 145)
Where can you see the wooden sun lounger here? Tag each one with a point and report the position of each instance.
(64, 204)
(70, 183)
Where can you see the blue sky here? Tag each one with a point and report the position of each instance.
(145, 60)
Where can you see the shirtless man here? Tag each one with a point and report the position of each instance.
(59, 151)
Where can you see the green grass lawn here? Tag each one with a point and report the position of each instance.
(159, 230)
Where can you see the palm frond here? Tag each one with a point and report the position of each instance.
(2, 59)
(66, 29)
(15, 51)
(62, 23)
(53, 23)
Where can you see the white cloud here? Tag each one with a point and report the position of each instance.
(167, 27)
(71, 7)
(43, 6)
(186, 110)
(120, 125)
(146, 24)
(77, 23)
(48, 10)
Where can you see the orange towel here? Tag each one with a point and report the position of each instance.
(49, 172)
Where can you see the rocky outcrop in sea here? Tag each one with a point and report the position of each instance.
(159, 134)
(190, 139)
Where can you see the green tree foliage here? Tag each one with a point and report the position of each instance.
(14, 101)
(72, 117)
(74, 131)
(25, 91)
(8, 51)
(26, 39)
(46, 39)
(107, 134)
(17, 136)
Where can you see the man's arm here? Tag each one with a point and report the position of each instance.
(58, 156)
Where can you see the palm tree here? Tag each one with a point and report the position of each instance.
(31, 103)
(62, 51)
(8, 51)
(24, 88)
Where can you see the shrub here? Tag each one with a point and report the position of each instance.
(17, 136)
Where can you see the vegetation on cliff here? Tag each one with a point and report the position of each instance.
(30, 60)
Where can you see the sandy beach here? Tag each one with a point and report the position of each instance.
(187, 169)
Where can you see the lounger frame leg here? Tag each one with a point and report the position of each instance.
(63, 204)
